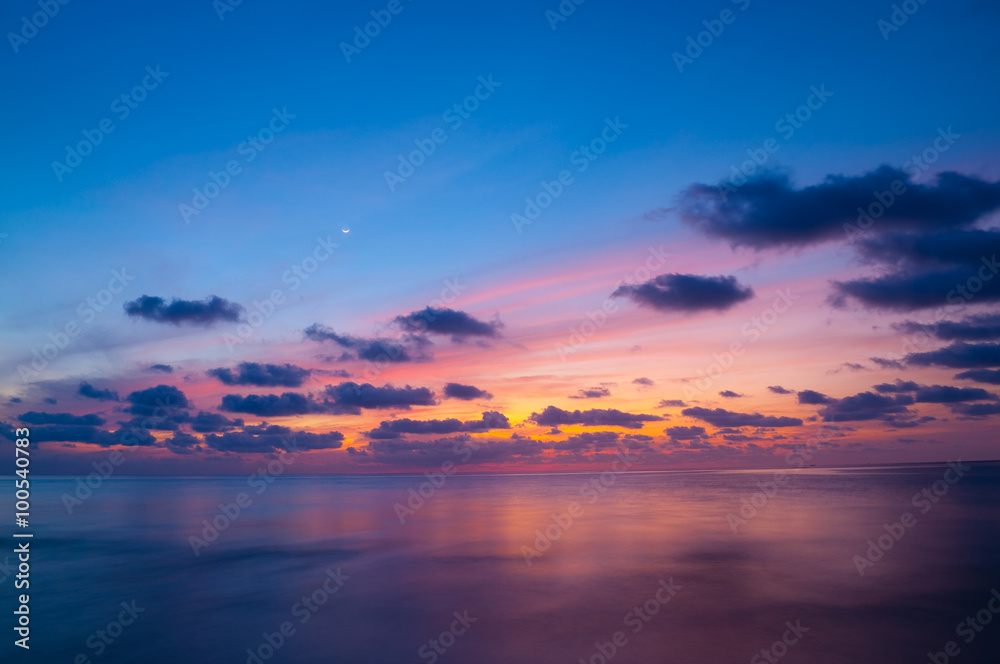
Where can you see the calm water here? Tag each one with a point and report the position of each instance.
(462, 551)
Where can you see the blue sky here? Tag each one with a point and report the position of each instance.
(324, 172)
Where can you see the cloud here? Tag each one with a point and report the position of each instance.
(976, 409)
(262, 375)
(959, 355)
(349, 398)
(588, 442)
(14, 400)
(767, 211)
(160, 400)
(592, 393)
(270, 405)
(205, 422)
(465, 392)
(553, 416)
(456, 324)
(867, 406)
(684, 433)
(778, 389)
(33, 417)
(165, 368)
(272, 438)
(91, 392)
(686, 292)
(645, 382)
(950, 394)
(897, 387)
(991, 376)
(390, 429)
(457, 449)
(813, 398)
(671, 403)
(373, 350)
(983, 327)
(928, 270)
(725, 418)
(887, 364)
(74, 433)
(212, 309)
(729, 394)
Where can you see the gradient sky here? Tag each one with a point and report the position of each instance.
(516, 292)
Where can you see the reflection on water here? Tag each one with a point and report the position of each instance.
(602, 572)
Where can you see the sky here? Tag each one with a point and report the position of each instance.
(390, 237)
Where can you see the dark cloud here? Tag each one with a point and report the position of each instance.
(976, 409)
(157, 401)
(205, 422)
(457, 450)
(959, 355)
(729, 394)
(349, 398)
(991, 376)
(684, 433)
(48, 400)
(74, 433)
(813, 398)
(165, 368)
(212, 309)
(33, 417)
(592, 393)
(950, 394)
(553, 416)
(897, 387)
(983, 327)
(778, 389)
(465, 392)
(456, 324)
(767, 211)
(268, 438)
(927, 270)
(262, 375)
(725, 418)
(887, 363)
(645, 382)
(91, 392)
(14, 400)
(671, 403)
(686, 292)
(588, 442)
(397, 428)
(270, 405)
(373, 350)
(867, 406)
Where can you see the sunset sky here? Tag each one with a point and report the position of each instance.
(490, 229)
